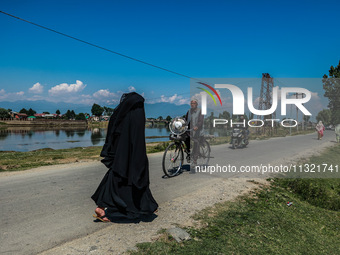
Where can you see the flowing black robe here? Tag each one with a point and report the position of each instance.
(124, 190)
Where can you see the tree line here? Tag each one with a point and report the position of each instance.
(96, 110)
(70, 114)
(331, 85)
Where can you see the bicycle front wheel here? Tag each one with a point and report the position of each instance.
(204, 154)
(173, 159)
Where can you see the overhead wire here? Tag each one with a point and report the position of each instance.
(95, 45)
(106, 49)
(102, 48)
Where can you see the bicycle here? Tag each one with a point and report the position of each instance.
(173, 157)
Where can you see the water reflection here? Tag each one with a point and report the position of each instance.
(3, 135)
(34, 138)
(29, 138)
(69, 133)
(81, 133)
(96, 136)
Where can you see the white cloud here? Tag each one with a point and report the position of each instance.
(316, 104)
(86, 99)
(65, 88)
(75, 93)
(103, 93)
(315, 95)
(37, 88)
(184, 101)
(175, 99)
(104, 96)
(2, 94)
(13, 96)
(168, 99)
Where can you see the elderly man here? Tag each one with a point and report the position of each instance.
(195, 123)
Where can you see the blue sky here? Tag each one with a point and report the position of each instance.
(197, 38)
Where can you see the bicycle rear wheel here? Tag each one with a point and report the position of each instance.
(204, 154)
(173, 159)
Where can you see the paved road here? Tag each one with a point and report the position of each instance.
(42, 209)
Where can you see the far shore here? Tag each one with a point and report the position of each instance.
(64, 123)
(43, 122)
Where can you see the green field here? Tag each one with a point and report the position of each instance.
(263, 223)
(14, 161)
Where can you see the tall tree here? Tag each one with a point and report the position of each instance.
(331, 85)
(108, 111)
(325, 116)
(80, 116)
(31, 112)
(4, 113)
(224, 115)
(73, 114)
(306, 118)
(23, 110)
(68, 115)
(97, 110)
(57, 112)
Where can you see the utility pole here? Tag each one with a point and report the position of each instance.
(297, 112)
(266, 98)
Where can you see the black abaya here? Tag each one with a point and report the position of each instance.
(124, 190)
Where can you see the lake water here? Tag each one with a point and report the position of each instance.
(28, 139)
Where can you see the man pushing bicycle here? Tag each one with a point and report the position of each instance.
(195, 120)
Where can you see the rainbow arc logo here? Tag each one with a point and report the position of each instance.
(209, 93)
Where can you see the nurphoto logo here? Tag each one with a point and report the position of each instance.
(238, 99)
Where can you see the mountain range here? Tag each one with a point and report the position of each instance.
(151, 110)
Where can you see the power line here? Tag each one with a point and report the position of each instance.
(105, 49)
(95, 45)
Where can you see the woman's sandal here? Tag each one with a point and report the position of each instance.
(98, 216)
(101, 218)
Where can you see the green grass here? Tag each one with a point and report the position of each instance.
(259, 224)
(3, 125)
(157, 146)
(262, 223)
(98, 124)
(14, 161)
(322, 192)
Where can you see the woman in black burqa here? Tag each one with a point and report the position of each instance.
(124, 190)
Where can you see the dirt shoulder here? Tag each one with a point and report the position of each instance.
(118, 238)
